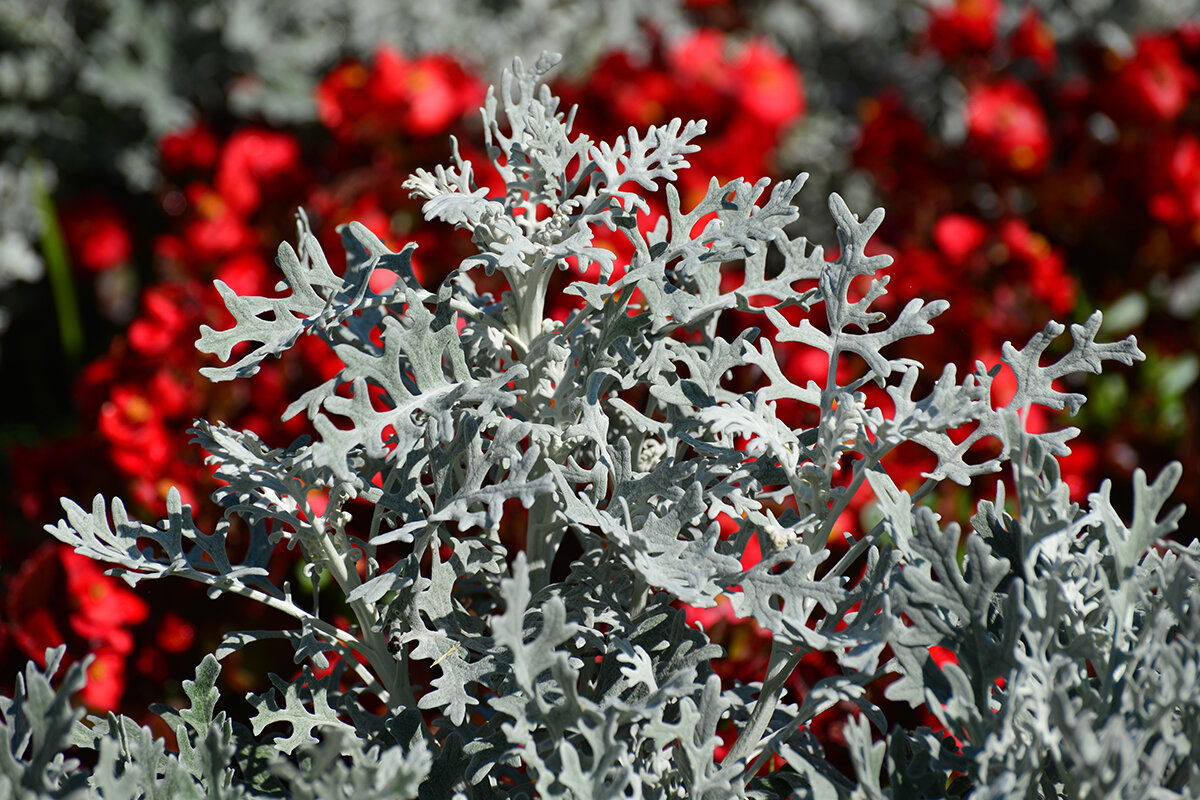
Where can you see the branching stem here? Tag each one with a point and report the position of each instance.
(784, 659)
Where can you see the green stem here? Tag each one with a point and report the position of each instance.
(58, 271)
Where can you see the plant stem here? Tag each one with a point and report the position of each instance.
(542, 539)
(784, 659)
(373, 643)
(838, 507)
(58, 270)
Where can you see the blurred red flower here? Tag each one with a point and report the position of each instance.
(958, 236)
(97, 232)
(397, 95)
(1034, 39)
(963, 28)
(175, 634)
(747, 91)
(246, 273)
(57, 592)
(1175, 182)
(136, 434)
(1154, 84)
(102, 609)
(772, 89)
(251, 159)
(1007, 126)
(212, 232)
(164, 322)
(30, 604)
(105, 680)
(193, 148)
(1047, 276)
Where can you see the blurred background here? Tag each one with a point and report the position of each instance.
(1037, 160)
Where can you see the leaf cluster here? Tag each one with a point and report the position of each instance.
(520, 506)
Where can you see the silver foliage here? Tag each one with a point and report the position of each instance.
(626, 433)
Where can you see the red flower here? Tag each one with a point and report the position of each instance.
(1155, 83)
(748, 93)
(1007, 127)
(250, 159)
(175, 634)
(964, 27)
(246, 273)
(419, 97)
(137, 437)
(214, 232)
(101, 608)
(958, 236)
(1034, 39)
(700, 65)
(635, 94)
(164, 323)
(893, 145)
(1175, 182)
(105, 681)
(439, 92)
(1048, 279)
(30, 605)
(56, 584)
(97, 233)
(340, 99)
(194, 148)
(1078, 468)
(174, 395)
(770, 90)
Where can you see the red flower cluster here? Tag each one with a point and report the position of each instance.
(998, 274)
(139, 399)
(1064, 182)
(146, 392)
(228, 202)
(191, 149)
(748, 92)
(1034, 40)
(1174, 184)
(59, 595)
(396, 97)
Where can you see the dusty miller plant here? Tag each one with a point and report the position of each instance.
(623, 434)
